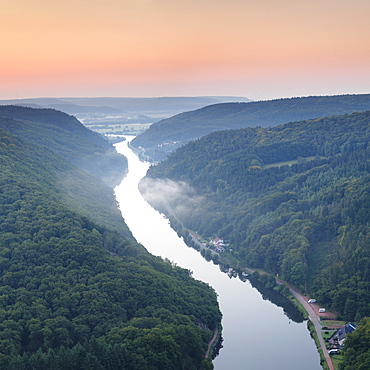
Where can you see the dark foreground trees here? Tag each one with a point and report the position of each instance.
(76, 294)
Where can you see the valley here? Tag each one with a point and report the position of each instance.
(247, 314)
(289, 202)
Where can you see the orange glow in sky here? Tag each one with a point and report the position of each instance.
(260, 49)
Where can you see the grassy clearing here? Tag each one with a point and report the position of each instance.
(326, 334)
(290, 163)
(333, 323)
(336, 359)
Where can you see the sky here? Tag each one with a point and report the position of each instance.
(259, 49)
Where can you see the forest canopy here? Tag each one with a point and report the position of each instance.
(291, 199)
(78, 292)
(68, 137)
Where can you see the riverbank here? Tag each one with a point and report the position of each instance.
(311, 309)
(243, 308)
(314, 316)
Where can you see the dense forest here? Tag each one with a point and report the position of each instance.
(68, 137)
(291, 199)
(165, 136)
(76, 290)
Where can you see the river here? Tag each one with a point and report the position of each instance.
(257, 334)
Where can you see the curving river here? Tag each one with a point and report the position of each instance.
(257, 334)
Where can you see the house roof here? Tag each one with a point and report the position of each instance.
(342, 332)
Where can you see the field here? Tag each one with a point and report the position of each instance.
(119, 129)
(289, 163)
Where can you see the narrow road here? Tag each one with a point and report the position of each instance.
(196, 241)
(311, 313)
(316, 322)
(211, 342)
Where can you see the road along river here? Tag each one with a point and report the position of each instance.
(257, 334)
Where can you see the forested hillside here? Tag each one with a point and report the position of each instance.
(67, 136)
(167, 135)
(77, 292)
(292, 199)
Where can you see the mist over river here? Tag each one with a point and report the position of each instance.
(257, 334)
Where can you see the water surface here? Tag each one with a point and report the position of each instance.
(257, 334)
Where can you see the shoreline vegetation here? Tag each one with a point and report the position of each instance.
(276, 290)
(304, 218)
(290, 293)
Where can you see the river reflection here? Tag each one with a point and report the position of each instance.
(257, 334)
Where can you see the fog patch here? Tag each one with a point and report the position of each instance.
(108, 166)
(175, 197)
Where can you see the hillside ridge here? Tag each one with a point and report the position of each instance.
(167, 135)
(307, 221)
(67, 136)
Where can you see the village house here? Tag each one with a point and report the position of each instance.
(218, 243)
(336, 341)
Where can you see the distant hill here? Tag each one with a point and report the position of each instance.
(165, 136)
(292, 199)
(164, 105)
(122, 115)
(67, 136)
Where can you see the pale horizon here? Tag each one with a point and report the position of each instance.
(164, 48)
